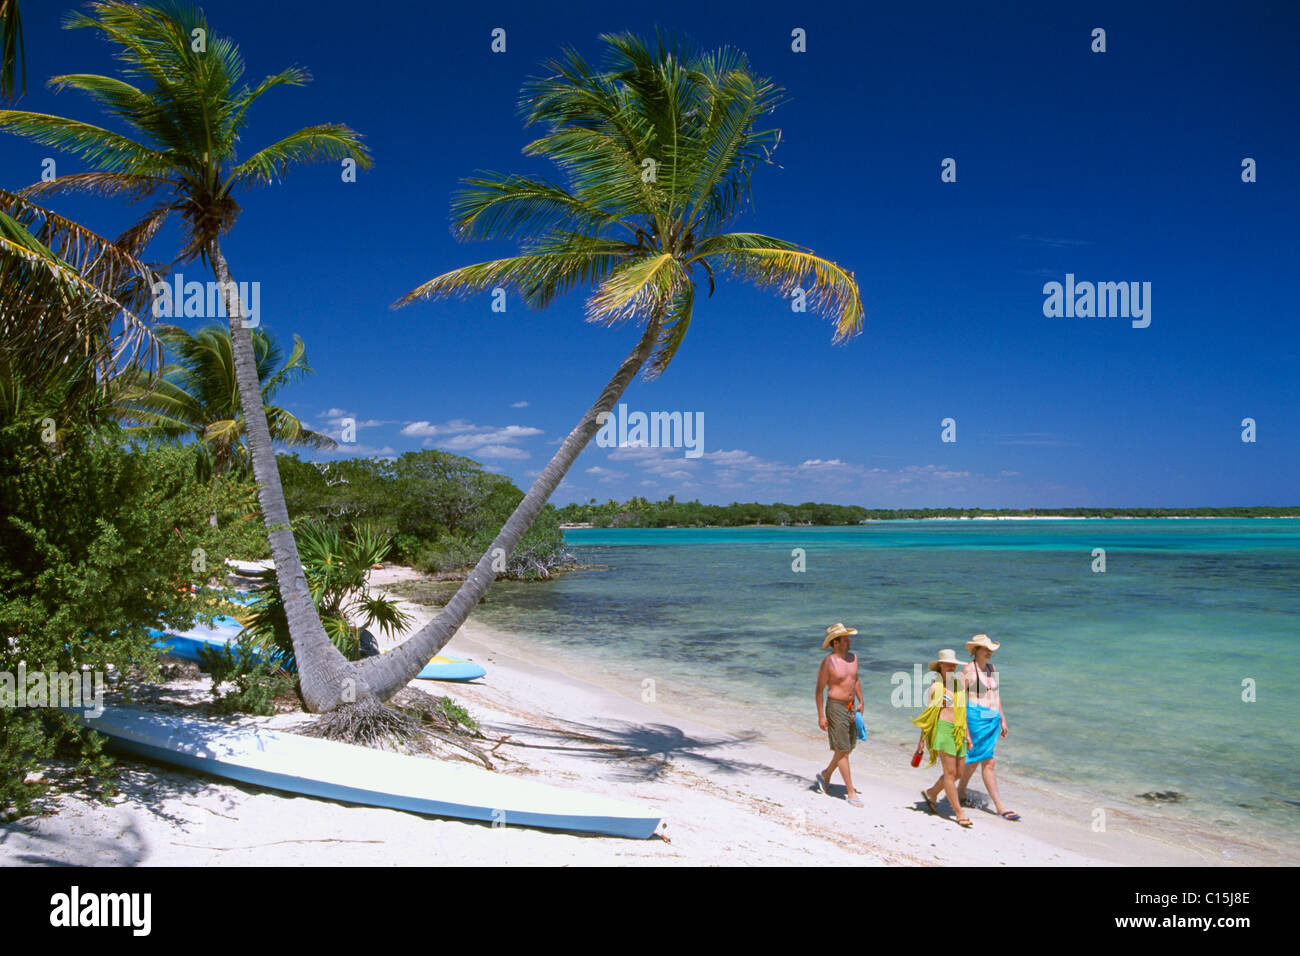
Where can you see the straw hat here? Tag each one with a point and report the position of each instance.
(837, 630)
(981, 640)
(946, 656)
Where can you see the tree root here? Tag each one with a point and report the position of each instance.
(409, 726)
(369, 724)
(422, 709)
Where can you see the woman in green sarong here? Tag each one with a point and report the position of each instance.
(944, 733)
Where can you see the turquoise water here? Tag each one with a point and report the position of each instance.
(1115, 683)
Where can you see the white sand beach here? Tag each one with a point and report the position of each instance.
(729, 795)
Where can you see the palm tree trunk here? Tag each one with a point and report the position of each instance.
(389, 673)
(326, 677)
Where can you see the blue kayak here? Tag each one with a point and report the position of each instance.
(186, 645)
(451, 668)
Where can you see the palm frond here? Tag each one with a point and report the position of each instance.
(69, 299)
(677, 322)
(129, 186)
(495, 206)
(117, 96)
(94, 145)
(288, 428)
(295, 367)
(830, 288)
(527, 273)
(293, 76)
(636, 288)
(13, 63)
(329, 141)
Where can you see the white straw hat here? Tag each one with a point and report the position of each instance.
(981, 640)
(946, 656)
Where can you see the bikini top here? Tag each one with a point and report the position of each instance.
(990, 679)
(942, 696)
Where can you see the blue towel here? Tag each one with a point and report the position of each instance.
(984, 725)
(862, 727)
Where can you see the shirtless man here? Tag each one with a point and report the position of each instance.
(837, 679)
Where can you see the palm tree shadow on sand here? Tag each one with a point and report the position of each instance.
(640, 752)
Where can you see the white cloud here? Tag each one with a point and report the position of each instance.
(741, 474)
(428, 430)
(491, 436)
(519, 405)
(501, 451)
(353, 449)
(336, 417)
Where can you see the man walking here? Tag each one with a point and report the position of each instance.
(837, 681)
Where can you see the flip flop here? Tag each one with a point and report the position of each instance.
(1010, 815)
(930, 803)
(966, 801)
(965, 823)
(821, 785)
(853, 801)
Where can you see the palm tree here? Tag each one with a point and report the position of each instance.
(197, 395)
(184, 125)
(657, 150)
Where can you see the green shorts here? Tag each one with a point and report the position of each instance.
(945, 741)
(840, 727)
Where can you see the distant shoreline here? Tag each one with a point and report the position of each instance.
(587, 526)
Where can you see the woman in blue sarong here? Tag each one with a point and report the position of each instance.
(985, 720)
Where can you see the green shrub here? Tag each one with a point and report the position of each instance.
(100, 540)
(257, 681)
(336, 566)
(456, 715)
(441, 510)
(448, 554)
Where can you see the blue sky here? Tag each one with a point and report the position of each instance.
(1116, 166)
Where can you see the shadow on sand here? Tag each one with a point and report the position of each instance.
(61, 838)
(641, 752)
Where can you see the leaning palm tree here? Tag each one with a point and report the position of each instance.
(657, 150)
(197, 395)
(185, 118)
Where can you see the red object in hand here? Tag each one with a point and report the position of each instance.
(916, 759)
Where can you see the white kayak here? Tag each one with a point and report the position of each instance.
(339, 771)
